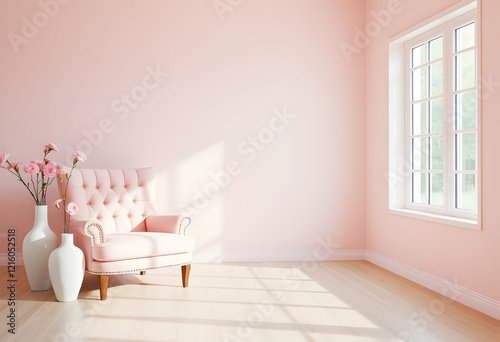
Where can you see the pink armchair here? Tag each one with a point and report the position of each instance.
(117, 227)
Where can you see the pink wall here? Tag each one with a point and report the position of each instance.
(225, 77)
(469, 258)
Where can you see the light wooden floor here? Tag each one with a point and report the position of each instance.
(286, 301)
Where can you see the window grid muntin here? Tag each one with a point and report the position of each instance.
(456, 91)
(427, 100)
(448, 109)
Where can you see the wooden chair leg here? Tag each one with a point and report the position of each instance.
(103, 286)
(143, 272)
(186, 269)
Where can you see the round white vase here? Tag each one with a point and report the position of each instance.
(37, 246)
(66, 268)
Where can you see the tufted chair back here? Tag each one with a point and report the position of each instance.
(119, 199)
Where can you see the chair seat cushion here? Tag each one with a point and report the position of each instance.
(135, 245)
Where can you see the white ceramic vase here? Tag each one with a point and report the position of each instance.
(37, 246)
(66, 268)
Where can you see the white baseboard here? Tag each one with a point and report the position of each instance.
(453, 290)
(337, 254)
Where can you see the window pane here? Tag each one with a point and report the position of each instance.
(466, 191)
(436, 77)
(419, 118)
(466, 110)
(465, 37)
(437, 189)
(437, 143)
(465, 70)
(436, 49)
(437, 116)
(419, 81)
(419, 187)
(418, 56)
(419, 146)
(465, 151)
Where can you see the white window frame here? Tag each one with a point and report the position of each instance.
(400, 47)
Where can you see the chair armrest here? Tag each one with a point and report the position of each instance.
(182, 231)
(167, 224)
(93, 228)
(85, 235)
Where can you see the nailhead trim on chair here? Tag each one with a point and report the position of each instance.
(92, 235)
(180, 225)
(138, 270)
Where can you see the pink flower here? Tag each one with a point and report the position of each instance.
(56, 203)
(31, 168)
(72, 208)
(79, 156)
(50, 170)
(14, 165)
(3, 158)
(61, 171)
(50, 147)
(39, 163)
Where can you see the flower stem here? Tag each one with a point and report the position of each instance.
(19, 178)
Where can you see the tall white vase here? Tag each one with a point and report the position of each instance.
(37, 246)
(66, 268)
